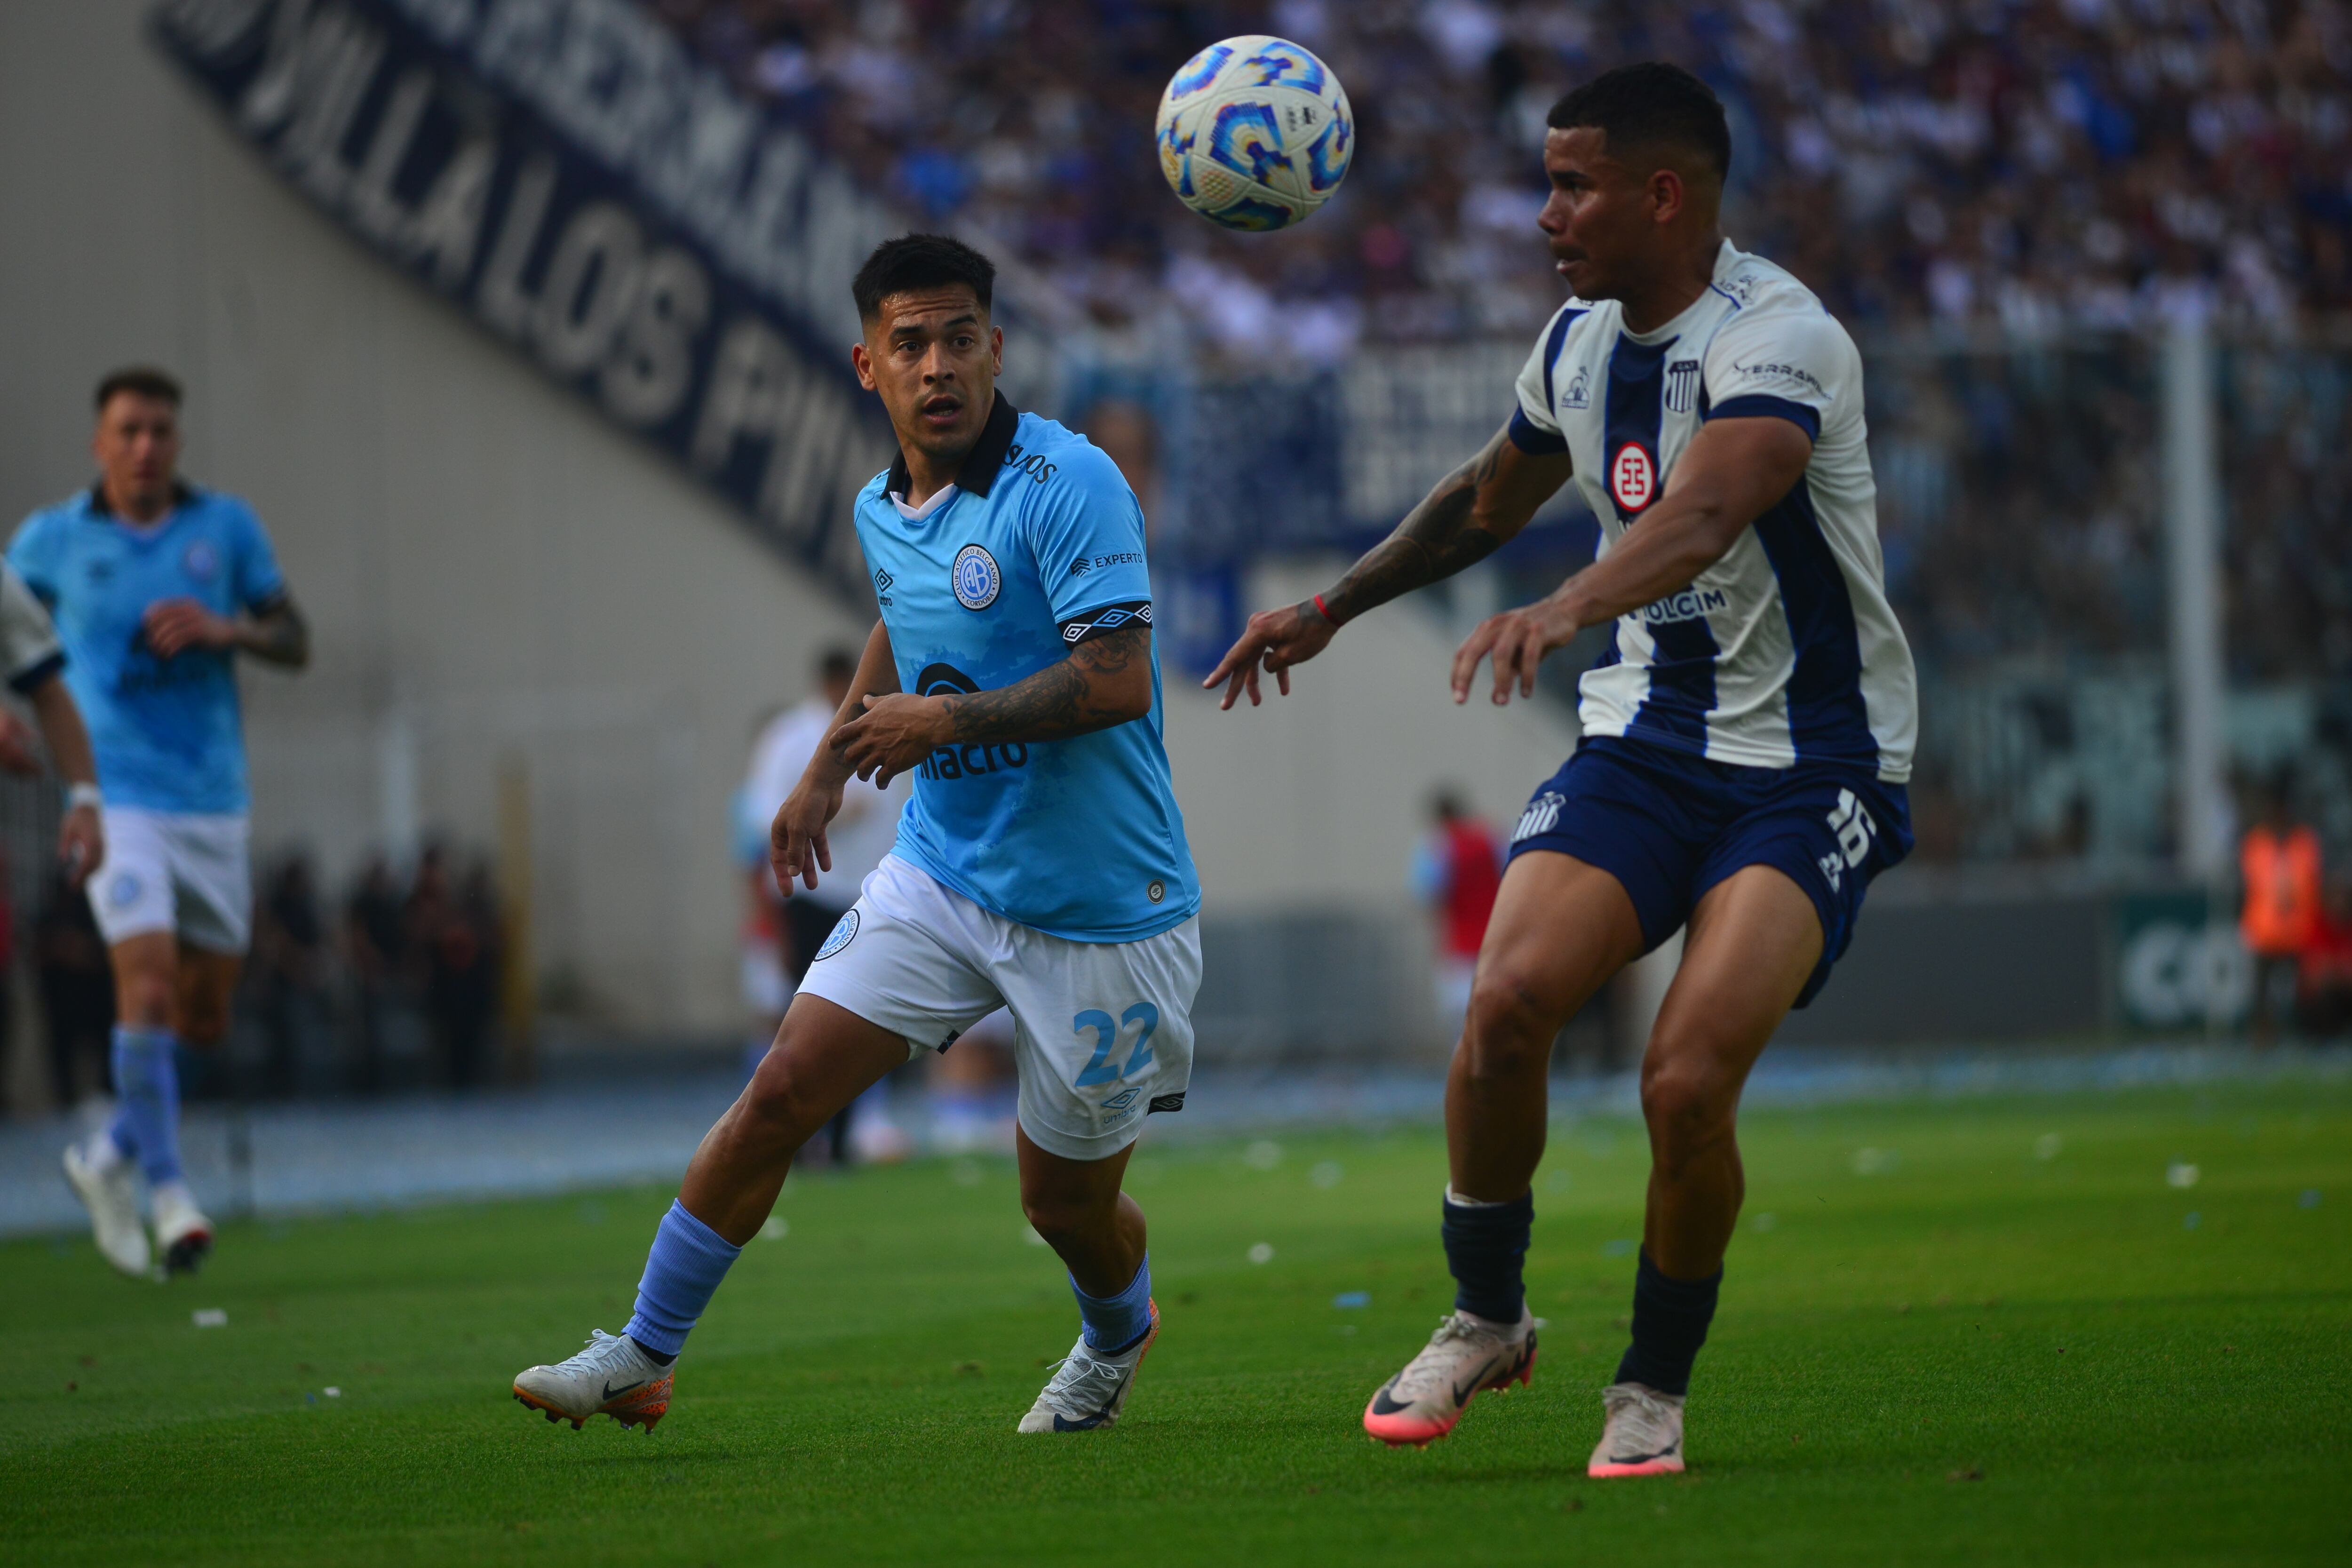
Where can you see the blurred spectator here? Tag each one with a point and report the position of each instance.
(2278, 861)
(1456, 871)
(287, 973)
(76, 986)
(454, 936)
(375, 935)
(2023, 164)
(2326, 998)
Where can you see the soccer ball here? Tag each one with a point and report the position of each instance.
(1255, 133)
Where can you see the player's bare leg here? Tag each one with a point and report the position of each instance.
(1753, 941)
(1561, 929)
(824, 1056)
(1097, 1231)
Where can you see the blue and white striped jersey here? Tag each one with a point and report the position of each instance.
(1786, 650)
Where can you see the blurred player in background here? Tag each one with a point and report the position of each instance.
(156, 586)
(860, 836)
(34, 665)
(1041, 865)
(1747, 735)
(1457, 868)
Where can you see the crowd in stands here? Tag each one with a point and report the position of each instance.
(2026, 163)
(397, 990)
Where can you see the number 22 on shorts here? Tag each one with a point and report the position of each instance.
(1107, 1032)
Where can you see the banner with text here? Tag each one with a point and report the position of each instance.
(568, 176)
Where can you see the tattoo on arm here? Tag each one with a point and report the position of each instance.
(1057, 702)
(1435, 539)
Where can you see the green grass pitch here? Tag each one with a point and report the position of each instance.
(1971, 1331)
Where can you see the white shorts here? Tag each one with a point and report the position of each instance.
(1102, 1031)
(174, 871)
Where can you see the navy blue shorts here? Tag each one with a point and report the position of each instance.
(1670, 826)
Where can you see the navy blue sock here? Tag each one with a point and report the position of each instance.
(1113, 1323)
(683, 1270)
(1485, 1246)
(1670, 1320)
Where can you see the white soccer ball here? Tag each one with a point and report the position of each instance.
(1255, 133)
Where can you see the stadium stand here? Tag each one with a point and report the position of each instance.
(2024, 163)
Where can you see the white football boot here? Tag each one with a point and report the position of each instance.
(1089, 1389)
(182, 1231)
(1466, 1355)
(614, 1377)
(1643, 1434)
(111, 1197)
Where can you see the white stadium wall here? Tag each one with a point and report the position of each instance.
(502, 585)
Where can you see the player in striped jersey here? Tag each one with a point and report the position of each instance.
(1747, 733)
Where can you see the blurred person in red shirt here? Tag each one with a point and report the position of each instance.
(2278, 861)
(1456, 871)
(2325, 998)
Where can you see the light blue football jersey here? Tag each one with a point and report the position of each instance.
(168, 733)
(1040, 547)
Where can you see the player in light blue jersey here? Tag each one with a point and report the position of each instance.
(1041, 865)
(156, 587)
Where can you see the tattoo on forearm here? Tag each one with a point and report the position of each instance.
(1435, 539)
(1056, 702)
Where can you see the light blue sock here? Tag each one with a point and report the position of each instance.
(1115, 1322)
(687, 1261)
(148, 1124)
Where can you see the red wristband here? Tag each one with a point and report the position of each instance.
(1323, 610)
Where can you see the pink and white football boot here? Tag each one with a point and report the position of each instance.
(1643, 1434)
(1467, 1354)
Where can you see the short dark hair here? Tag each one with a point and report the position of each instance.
(139, 381)
(920, 261)
(1650, 105)
(836, 663)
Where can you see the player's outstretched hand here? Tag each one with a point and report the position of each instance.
(174, 625)
(1517, 639)
(895, 734)
(19, 753)
(81, 843)
(1273, 641)
(796, 846)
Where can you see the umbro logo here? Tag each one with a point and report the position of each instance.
(883, 580)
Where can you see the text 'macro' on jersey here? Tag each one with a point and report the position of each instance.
(1786, 650)
(1038, 547)
(168, 733)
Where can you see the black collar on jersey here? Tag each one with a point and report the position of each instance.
(182, 493)
(978, 475)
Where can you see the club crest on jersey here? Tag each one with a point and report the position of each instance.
(1579, 390)
(1633, 482)
(1682, 379)
(975, 578)
(201, 560)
